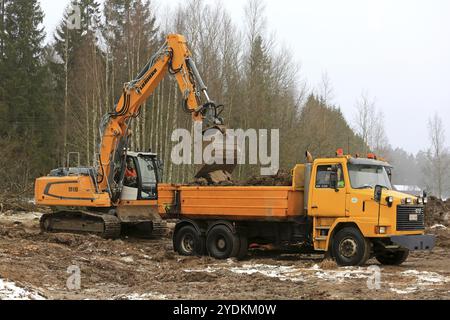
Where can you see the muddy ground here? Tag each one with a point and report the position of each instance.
(34, 265)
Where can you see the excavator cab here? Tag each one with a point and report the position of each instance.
(143, 172)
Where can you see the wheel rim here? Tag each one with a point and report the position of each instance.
(221, 244)
(187, 243)
(348, 248)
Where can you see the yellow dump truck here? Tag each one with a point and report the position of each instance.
(345, 207)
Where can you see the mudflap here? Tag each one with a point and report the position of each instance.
(413, 242)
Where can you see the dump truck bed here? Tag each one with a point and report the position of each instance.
(266, 203)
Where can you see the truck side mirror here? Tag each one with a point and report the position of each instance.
(378, 193)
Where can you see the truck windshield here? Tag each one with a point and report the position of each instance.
(368, 176)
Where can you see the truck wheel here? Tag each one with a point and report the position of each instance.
(243, 247)
(350, 248)
(188, 242)
(222, 243)
(392, 257)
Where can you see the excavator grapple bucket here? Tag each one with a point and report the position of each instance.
(220, 157)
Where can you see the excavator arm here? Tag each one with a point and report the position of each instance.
(174, 58)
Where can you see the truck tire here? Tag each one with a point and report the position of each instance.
(243, 247)
(222, 243)
(392, 257)
(188, 242)
(350, 248)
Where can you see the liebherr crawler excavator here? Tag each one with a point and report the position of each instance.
(105, 199)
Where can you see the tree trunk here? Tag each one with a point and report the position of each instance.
(66, 96)
(158, 107)
(161, 114)
(174, 126)
(87, 126)
(166, 139)
(2, 25)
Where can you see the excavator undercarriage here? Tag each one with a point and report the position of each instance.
(102, 224)
(105, 225)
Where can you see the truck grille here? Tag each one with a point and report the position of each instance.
(410, 218)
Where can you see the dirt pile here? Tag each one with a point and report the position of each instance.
(282, 178)
(12, 204)
(437, 212)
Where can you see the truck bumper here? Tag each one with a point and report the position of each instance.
(420, 242)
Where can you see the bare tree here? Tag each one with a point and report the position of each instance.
(326, 91)
(379, 141)
(369, 124)
(438, 157)
(255, 19)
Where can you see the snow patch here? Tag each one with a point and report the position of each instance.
(341, 274)
(426, 277)
(10, 291)
(338, 275)
(291, 273)
(144, 296)
(281, 272)
(438, 226)
(404, 291)
(207, 270)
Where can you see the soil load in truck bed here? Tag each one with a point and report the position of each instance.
(282, 178)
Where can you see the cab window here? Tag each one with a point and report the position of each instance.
(149, 179)
(325, 175)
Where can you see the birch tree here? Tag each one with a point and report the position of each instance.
(369, 124)
(437, 169)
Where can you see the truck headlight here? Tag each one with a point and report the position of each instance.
(425, 200)
(390, 201)
(380, 230)
(408, 200)
(419, 201)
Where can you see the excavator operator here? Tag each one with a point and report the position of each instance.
(130, 174)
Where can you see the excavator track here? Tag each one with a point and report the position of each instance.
(105, 225)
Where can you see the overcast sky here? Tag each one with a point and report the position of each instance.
(398, 51)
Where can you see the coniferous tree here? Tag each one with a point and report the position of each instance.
(78, 71)
(26, 117)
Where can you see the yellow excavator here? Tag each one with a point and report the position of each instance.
(107, 199)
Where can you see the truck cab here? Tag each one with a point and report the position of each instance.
(357, 213)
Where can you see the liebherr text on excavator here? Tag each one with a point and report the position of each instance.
(105, 199)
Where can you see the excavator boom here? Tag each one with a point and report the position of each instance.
(174, 58)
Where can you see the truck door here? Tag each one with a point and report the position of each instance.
(328, 192)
